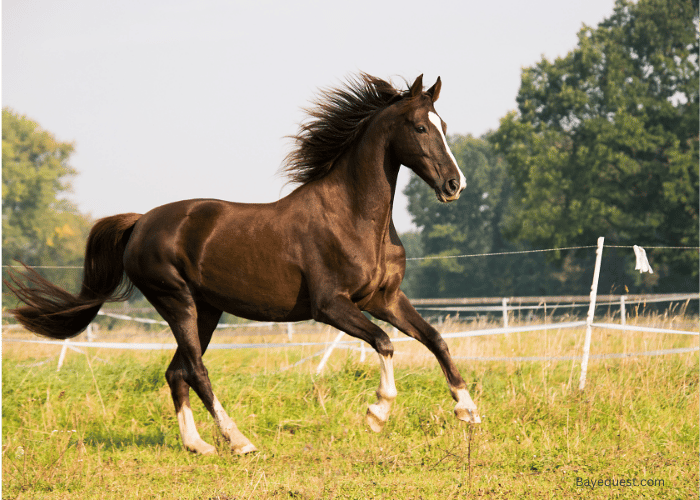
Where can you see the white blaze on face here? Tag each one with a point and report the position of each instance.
(435, 120)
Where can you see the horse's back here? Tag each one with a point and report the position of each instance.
(239, 257)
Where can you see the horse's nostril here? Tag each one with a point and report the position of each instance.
(452, 186)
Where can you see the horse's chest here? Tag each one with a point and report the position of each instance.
(376, 275)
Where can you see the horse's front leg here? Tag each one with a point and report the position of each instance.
(342, 314)
(400, 313)
(378, 413)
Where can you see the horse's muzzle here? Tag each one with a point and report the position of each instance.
(449, 191)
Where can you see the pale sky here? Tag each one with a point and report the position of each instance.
(169, 100)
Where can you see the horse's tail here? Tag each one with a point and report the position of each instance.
(53, 312)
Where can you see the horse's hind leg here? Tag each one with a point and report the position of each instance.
(193, 332)
(180, 391)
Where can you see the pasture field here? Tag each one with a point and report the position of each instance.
(105, 427)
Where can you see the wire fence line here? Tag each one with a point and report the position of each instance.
(435, 257)
(492, 254)
(43, 267)
(519, 252)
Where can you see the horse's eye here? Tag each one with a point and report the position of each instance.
(421, 129)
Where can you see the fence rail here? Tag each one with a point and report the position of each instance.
(556, 299)
(457, 305)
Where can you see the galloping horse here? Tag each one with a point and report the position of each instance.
(327, 251)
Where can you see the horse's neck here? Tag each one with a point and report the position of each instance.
(367, 176)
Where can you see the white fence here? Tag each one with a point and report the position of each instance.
(489, 305)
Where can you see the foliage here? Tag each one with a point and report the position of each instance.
(39, 225)
(605, 139)
(413, 246)
(473, 226)
(604, 143)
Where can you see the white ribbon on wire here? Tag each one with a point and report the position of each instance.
(642, 261)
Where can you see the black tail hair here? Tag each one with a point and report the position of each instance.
(53, 312)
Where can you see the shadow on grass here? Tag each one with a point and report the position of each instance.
(117, 440)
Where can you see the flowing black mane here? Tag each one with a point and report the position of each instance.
(338, 117)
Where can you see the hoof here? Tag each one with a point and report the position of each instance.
(202, 448)
(245, 449)
(374, 418)
(470, 415)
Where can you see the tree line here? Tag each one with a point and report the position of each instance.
(604, 142)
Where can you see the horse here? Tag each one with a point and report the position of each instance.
(327, 251)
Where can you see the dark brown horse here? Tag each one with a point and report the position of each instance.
(327, 251)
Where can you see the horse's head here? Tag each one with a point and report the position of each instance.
(418, 141)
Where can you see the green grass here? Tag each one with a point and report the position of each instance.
(636, 420)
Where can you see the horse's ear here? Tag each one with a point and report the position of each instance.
(417, 87)
(434, 91)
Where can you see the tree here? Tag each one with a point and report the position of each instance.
(605, 139)
(40, 227)
(469, 226)
(413, 246)
(473, 226)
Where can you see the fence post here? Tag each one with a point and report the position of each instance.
(623, 312)
(591, 314)
(505, 312)
(328, 352)
(62, 356)
(290, 331)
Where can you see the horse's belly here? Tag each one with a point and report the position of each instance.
(265, 293)
(262, 307)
